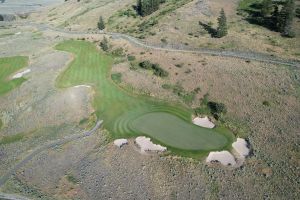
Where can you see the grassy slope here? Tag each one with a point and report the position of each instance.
(8, 66)
(123, 113)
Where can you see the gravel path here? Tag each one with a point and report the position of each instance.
(12, 197)
(179, 48)
(55, 143)
(247, 56)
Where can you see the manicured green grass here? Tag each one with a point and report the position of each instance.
(126, 115)
(9, 66)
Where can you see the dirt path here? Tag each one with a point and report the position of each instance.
(248, 56)
(38, 150)
(12, 197)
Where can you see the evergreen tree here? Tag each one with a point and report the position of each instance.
(267, 7)
(285, 18)
(147, 7)
(101, 24)
(275, 18)
(222, 25)
(104, 44)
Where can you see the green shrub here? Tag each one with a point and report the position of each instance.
(119, 52)
(130, 58)
(166, 86)
(157, 70)
(104, 44)
(217, 109)
(266, 103)
(117, 77)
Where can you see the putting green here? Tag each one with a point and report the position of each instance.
(127, 115)
(9, 66)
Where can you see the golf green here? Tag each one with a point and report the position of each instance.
(128, 115)
(9, 66)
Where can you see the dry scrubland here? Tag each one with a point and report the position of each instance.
(176, 27)
(262, 103)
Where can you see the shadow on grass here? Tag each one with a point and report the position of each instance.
(209, 29)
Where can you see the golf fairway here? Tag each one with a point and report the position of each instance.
(127, 115)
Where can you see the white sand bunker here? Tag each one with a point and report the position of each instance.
(146, 145)
(224, 157)
(203, 122)
(20, 74)
(77, 86)
(241, 147)
(120, 142)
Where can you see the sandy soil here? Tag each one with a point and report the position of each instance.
(120, 142)
(224, 157)
(203, 122)
(20, 74)
(146, 144)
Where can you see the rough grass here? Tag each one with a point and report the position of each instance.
(123, 113)
(9, 66)
(11, 138)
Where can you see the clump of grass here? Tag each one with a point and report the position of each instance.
(266, 103)
(117, 77)
(186, 96)
(131, 58)
(72, 179)
(11, 138)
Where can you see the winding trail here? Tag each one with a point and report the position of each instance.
(260, 57)
(44, 147)
(248, 56)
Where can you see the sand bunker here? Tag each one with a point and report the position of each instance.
(120, 142)
(20, 74)
(77, 86)
(203, 122)
(224, 157)
(241, 147)
(146, 145)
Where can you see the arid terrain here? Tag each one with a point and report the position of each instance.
(54, 144)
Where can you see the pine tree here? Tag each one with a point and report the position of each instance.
(222, 25)
(285, 19)
(147, 7)
(101, 24)
(104, 44)
(275, 18)
(267, 7)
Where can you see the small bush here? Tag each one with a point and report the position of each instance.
(157, 70)
(146, 64)
(119, 52)
(266, 103)
(104, 44)
(179, 65)
(117, 77)
(130, 58)
(166, 86)
(216, 108)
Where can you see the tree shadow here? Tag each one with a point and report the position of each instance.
(254, 16)
(212, 31)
